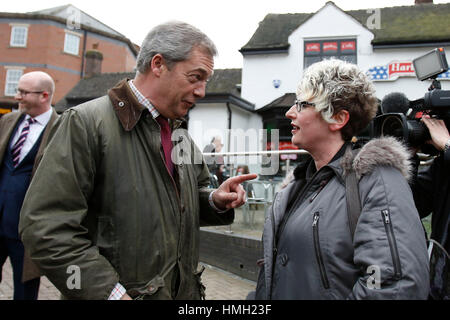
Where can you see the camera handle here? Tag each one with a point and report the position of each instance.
(435, 84)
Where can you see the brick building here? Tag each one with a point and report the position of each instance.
(56, 41)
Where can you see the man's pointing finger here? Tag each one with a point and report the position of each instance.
(244, 177)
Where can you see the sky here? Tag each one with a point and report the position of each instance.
(230, 23)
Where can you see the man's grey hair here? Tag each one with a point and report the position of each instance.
(334, 85)
(174, 40)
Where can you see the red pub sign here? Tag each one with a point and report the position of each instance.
(282, 145)
(348, 46)
(395, 69)
(313, 47)
(330, 46)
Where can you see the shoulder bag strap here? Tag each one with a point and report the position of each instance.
(353, 200)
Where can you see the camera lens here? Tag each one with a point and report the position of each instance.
(392, 126)
(417, 133)
(413, 132)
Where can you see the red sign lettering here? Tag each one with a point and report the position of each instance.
(312, 47)
(282, 145)
(330, 46)
(401, 68)
(348, 46)
(287, 145)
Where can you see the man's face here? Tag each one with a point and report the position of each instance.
(218, 143)
(184, 83)
(29, 97)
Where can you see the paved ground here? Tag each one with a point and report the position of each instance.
(220, 285)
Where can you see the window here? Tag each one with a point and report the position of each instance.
(71, 43)
(316, 51)
(19, 36)
(12, 81)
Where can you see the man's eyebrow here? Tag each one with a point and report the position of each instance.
(201, 70)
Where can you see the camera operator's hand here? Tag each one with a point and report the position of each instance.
(438, 131)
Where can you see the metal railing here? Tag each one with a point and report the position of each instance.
(255, 153)
(425, 159)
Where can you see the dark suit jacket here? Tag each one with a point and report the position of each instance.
(7, 124)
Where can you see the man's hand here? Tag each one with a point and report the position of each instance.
(438, 131)
(231, 194)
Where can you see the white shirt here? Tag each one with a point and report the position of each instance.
(36, 129)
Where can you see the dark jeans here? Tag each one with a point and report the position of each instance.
(14, 250)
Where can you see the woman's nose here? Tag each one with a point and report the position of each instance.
(291, 113)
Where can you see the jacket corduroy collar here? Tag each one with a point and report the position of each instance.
(127, 107)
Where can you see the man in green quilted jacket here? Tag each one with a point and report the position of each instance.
(115, 207)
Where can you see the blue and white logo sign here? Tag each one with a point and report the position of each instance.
(276, 83)
(395, 69)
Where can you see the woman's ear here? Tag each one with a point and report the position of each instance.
(341, 119)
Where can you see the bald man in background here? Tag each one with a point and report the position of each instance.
(23, 137)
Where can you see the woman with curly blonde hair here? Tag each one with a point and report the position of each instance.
(310, 249)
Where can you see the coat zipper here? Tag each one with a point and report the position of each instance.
(274, 248)
(300, 200)
(323, 273)
(392, 243)
(274, 245)
(285, 219)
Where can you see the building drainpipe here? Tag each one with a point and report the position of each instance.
(229, 133)
(84, 53)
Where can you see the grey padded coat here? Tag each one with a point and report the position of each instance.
(310, 253)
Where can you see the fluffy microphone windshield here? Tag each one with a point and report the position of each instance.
(395, 102)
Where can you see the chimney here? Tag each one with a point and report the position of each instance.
(93, 63)
(423, 1)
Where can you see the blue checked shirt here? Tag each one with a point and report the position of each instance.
(143, 100)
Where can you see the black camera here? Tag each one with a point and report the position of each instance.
(401, 117)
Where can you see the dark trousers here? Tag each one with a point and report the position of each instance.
(14, 250)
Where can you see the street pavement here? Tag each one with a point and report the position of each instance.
(220, 285)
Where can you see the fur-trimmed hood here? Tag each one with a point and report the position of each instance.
(385, 151)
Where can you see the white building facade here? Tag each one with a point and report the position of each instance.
(268, 74)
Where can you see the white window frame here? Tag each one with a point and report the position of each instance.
(68, 46)
(15, 28)
(12, 79)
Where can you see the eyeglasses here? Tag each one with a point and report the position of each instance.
(300, 105)
(23, 93)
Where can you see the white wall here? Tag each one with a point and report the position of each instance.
(211, 119)
(207, 120)
(245, 134)
(331, 23)
(260, 70)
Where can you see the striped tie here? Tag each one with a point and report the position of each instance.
(20, 142)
